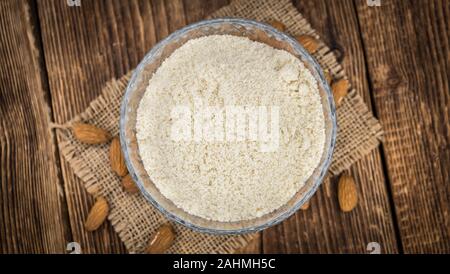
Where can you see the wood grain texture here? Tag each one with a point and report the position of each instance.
(32, 207)
(323, 228)
(407, 45)
(84, 49)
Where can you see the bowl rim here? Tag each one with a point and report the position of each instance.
(323, 167)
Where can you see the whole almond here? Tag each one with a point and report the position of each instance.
(116, 158)
(161, 240)
(97, 214)
(340, 90)
(277, 24)
(347, 193)
(310, 43)
(305, 206)
(129, 185)
(90, 134)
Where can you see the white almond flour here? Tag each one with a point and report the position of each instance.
(226, 179)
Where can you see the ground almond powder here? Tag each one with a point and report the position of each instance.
(230, 179)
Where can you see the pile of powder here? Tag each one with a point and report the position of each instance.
(231, 180)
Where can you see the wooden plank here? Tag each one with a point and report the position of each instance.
(407, 48)
(324, 228)
(85, 47)
(32, 206)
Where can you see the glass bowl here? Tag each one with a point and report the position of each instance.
(136, 88)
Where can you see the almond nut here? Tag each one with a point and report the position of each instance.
(340, 90)
(129, 185)
(116, 158)
(90, 134)
(310, 43)
(277, 24)
(97, 214)
(347, 193)
(161, 240)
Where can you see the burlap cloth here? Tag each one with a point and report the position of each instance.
(135, 219)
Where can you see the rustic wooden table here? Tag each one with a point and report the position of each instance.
(55, 60)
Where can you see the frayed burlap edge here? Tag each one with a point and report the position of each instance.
(133, 218)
